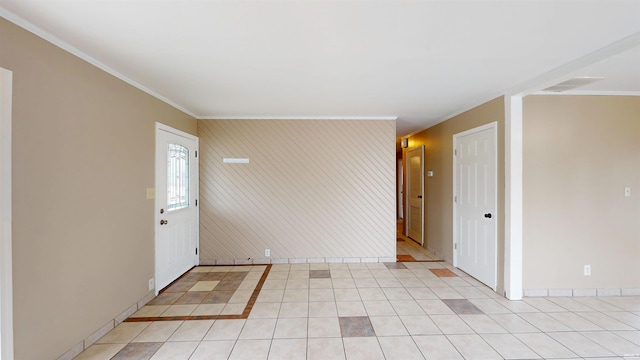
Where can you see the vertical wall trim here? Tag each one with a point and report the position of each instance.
(513, 198)
(6, 278)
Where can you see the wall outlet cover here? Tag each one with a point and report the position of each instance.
(152, 284)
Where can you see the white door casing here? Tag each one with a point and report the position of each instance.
(475, 201)
(176, 212)
(6, 256)
(400, 184)
(415, 197)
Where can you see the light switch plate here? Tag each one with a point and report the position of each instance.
(152, 284)
(151, 193)
(627, 191)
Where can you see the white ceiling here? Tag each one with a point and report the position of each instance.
(419, 61)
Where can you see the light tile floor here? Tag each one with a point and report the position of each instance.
(384, 311)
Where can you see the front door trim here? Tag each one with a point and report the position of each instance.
(166, 128)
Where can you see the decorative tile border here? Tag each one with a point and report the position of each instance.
(244, 315)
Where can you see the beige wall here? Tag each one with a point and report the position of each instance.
(579, 154)
(83, 154)
(438, 142)
(312, 189)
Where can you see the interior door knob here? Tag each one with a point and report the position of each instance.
(419, 196)
(487, 215)
(163, 222)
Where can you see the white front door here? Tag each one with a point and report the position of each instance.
(475, 191)
(176, 204)
(415, 200)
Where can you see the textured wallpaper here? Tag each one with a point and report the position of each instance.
(320, 190)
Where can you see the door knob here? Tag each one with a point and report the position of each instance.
(163, 222)
(161, 211)
(487, 215)
(419, 196)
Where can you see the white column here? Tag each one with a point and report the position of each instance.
(513, 198)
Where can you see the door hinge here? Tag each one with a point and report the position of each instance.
(196, 251)
(455, 246)
(196, 153)
(455, 198)
(196, 202)
(455, 151)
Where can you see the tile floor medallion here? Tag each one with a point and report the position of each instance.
(207, 293)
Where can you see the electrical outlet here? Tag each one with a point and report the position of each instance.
(587, 270)
(267, 252)
(152, 284)
(627, 191)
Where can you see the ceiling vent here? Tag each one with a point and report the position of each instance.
(573, 83)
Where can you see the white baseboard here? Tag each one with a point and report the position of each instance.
(581, 292)
(104, 329)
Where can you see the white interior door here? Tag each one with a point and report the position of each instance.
(415, 200)
(176, 204)
(475, 194)
(400, 184)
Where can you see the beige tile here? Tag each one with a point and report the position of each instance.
(296, 295)
(204, 286)
(270, 296)
(399, 347)
(324, 327)
(100, 352)
(483, 324)
(265, 310)
(545, 346)
(320, 284)
(421, 293)
(513, 323)
(248, 284)
(580, 344)
(288, 349)
(397, 293)
(388, 326)
(192, 330)
(434, 307)
(451, 324)
(299, 274)
(297, 283)
(362, 348)
(544, 322)
(437, 347)
(351, 308)
(150, 311)
(225, 330)
(274, 284)
(407, 307)
(250, 350)
(420, 325)
(340, 274)
(241, 296)
(123, 333)
(369, 282)
(176, 350)
(617, 344)
(346, 294)
(291, 328)
(378, 308)
(294, 309)
(473, 347)
(321, 295)
(256, 329)
(213, 350)
(509, 347)
(323, 309)
(208, 309)
(158, 331)
(372, 294)
(179, 310)
(233, 309)
(325, 348)
(345, 283)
